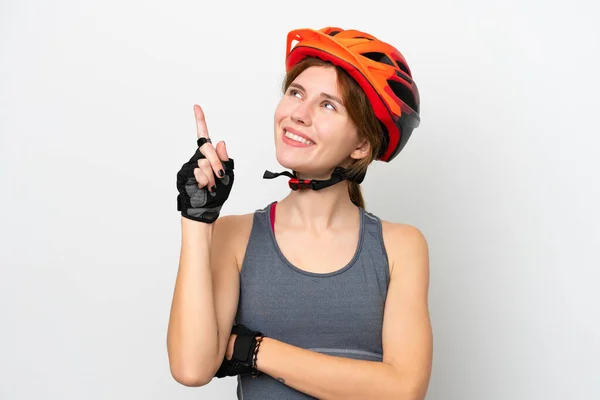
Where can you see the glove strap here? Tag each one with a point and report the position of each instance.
(245, 348)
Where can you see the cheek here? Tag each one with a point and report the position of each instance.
(341, 141)
(280, 114)
(281, 111)
(338, 134)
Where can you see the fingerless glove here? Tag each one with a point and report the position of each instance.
(198, 203)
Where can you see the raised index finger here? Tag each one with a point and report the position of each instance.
(201, 129)
(207, 149)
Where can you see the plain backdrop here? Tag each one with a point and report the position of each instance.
(96, 118)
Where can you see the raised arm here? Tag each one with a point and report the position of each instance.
(200, 322)
(205, 301)
(192, 340)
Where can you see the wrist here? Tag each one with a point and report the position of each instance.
(195, 224)
(244, 346)
(254, 364)
(195, 230)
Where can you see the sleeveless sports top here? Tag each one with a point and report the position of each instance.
(338, 313)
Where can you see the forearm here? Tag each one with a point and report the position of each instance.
(192, 339)
(329, 377)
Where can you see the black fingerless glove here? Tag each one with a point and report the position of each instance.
(232, 368)
(242, 360)
(197, 203)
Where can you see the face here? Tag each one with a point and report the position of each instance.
(313, 131)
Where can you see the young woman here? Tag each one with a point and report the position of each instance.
(311, 296)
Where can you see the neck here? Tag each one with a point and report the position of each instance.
(318, 210)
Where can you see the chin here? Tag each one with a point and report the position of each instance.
(302, 166)
(291, 161)
(299, 160)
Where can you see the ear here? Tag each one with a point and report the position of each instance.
(362, 150)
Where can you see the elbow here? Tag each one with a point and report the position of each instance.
(410, 385)
(191, 370)
(407, 394)
(190, 377)
(192, 374)
(409, 391)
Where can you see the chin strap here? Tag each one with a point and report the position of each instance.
(338, 175)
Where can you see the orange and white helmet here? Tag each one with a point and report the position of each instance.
(378, 67)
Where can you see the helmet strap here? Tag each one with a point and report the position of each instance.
(338, 175)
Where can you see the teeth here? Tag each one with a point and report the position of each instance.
(297, 138)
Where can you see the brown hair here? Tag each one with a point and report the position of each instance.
(361, 114)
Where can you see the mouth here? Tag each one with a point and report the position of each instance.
(296, 138)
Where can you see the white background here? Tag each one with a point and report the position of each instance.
(502, 177)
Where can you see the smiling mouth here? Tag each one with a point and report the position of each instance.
(296, 138)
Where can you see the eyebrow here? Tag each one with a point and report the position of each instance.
(323, 94)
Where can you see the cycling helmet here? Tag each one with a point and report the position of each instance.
(378, 67)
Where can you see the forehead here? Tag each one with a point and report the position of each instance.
(319, 79)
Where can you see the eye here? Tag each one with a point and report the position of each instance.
(294, 92)
(327, 103)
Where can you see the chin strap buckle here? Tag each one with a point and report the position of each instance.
(296, 184)
(339, 174)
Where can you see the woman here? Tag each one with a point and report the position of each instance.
(311, 296)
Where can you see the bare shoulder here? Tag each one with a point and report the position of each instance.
(231, 233)
(406, 245)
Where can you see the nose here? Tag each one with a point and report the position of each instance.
(302, 114)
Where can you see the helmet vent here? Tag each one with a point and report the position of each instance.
(404, 76)
(379, 57)
(403, 67)
(404, 94)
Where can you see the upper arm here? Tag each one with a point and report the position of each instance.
(407, 335)
(225, 249)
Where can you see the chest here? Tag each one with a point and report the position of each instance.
(318, 253)
(342, 310)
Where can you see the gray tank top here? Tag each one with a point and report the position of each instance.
(338, 313)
